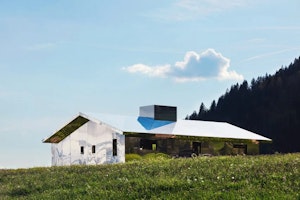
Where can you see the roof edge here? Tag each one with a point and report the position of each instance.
(67, 129)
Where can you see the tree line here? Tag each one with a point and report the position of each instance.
(269, 106)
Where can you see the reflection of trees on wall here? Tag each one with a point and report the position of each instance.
(270, 106)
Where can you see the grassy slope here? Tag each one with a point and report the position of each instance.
(248, 177)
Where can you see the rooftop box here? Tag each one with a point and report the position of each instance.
(158, 112)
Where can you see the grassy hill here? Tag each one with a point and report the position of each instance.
(240, 177)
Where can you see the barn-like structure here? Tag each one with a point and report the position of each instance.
(100, 138)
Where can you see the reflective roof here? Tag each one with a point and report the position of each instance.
(130, 124)
(196, 128)
(66, 130)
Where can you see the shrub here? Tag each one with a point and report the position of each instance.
(132, 157)
(156, 156)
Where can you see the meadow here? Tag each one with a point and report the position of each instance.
(159, 177)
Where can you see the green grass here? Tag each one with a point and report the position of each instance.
(132, 157)
(239, 177)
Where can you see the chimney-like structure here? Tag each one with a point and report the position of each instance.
(158, 112)
(155, 116)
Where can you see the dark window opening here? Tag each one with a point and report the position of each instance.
(115, 152)
(242, 148)
(148, 144)
(197, 148)
(93, 149)
(82, 149)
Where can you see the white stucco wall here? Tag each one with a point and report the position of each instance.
(68, 151)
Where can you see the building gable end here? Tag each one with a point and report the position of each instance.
(66, 130)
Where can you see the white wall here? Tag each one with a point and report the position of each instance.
(67, 152)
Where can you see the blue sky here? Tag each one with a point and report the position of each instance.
(58, 58)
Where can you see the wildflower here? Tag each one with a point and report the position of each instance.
(232, 178)
(284, 178)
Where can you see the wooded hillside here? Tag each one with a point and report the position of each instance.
(269, 106)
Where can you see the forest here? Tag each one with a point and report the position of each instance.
(269, 106)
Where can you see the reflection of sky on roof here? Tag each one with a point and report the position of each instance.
(150, 123)
(181, 127)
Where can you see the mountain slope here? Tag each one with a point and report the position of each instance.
(269, 106)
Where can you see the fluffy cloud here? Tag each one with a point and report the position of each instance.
(159, 71)
(194, 67)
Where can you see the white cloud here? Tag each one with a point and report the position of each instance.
(194, 67)
(158, 71)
